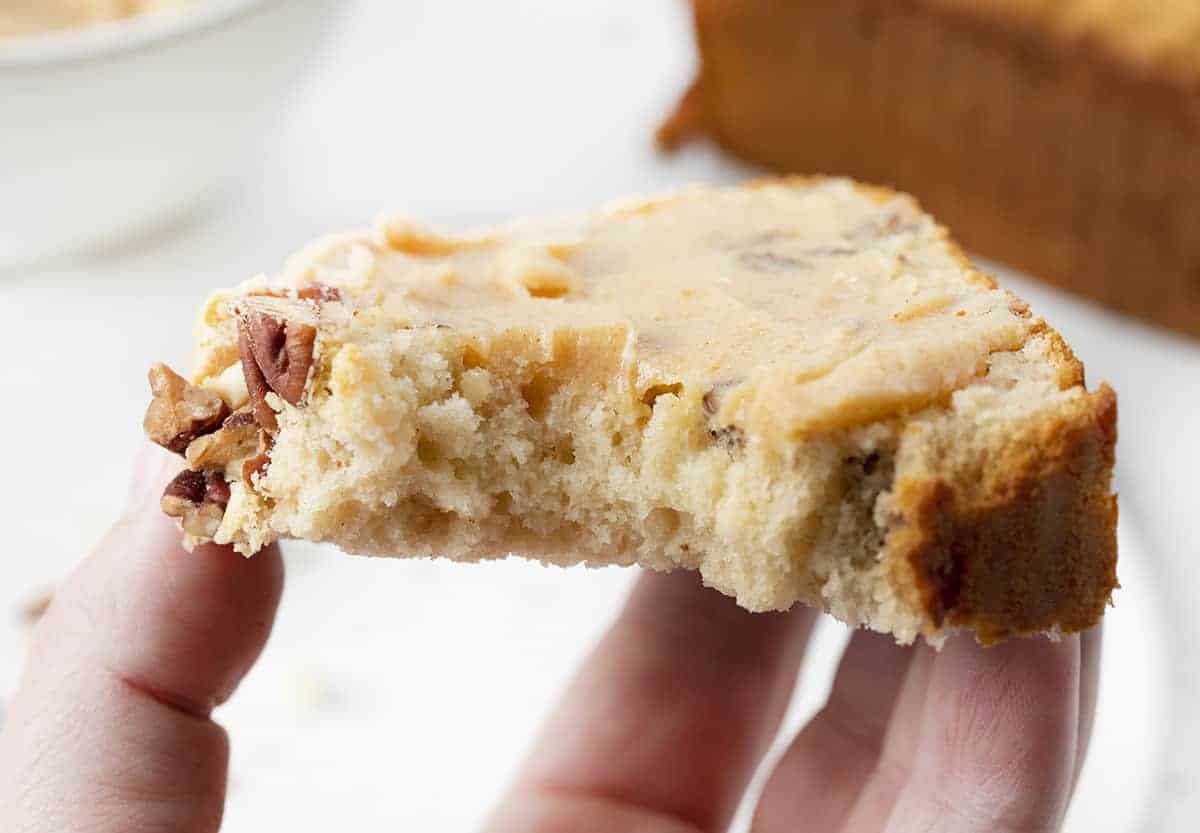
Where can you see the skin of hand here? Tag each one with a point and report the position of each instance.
(111, 730)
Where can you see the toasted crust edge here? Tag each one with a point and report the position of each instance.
(1025, 544)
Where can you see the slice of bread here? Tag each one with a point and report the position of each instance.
(799, 388)
(1060, 136)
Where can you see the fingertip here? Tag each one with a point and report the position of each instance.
(851, 729)
(991, 693)
(999, 729)
(675, 706)
(1038, 663)
(188, 624)
(153, 468)
(138, 646)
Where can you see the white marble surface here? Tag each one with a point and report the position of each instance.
(400, 695)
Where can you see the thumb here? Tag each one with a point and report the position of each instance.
(110, 729)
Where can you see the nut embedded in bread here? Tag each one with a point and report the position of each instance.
(799, 388)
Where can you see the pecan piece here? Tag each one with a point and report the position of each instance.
(216, 490)
(198, 499)
(319, 292)
(256, 383)
(767, 261)
(729, 437)
(259, 463)
(880, 227)
(316, 292)
(240, 419)
(188, 486)
(276, 356)
(180, 411)
(236, 438)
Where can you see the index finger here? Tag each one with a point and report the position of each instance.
(998, 739)
(668, 718)
(110, 727)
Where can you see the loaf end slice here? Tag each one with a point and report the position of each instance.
(1062, 138)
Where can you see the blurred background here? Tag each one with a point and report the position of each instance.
(400, 694)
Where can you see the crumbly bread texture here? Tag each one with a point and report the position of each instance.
(799, 388)
(1061, 136)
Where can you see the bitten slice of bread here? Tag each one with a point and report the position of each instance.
(799, 388)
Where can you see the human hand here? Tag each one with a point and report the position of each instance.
(672, 713)
(660, 733)
(109, 731)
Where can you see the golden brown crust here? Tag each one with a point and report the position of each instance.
(1026, 541)
(1065, 156)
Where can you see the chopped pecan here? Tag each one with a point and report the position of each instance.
(761, 260)
(239, 419)
(256, 383)
(217, 490)
(259, 463)
(198, 499)
(276, 356)
(236, 438)
(780, 251)
(729, 437)
(711, 401)
(180, 411)
(188, 485)
(833, 251)
(319, 292)
(882, 226)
